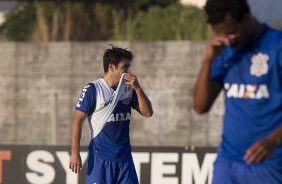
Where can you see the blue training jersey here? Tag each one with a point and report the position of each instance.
(112, 142)
(252, 80)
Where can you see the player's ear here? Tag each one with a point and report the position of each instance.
(111, 67)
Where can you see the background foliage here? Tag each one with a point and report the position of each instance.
(86, 21)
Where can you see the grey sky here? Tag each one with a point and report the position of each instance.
(267, 10)
(6, 5)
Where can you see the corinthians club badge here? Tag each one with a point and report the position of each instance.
(259, 65)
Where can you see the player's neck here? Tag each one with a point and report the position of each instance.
(257, 30)
(110, 80)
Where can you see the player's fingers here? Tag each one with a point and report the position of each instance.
(126, 77)
(256, 154)
(260, 157)
(226, 41)
(216, 42)
(232, 36)
(266, 154)
(250, 152)
(130, 79)
(129, 76)
(220, 41)
(251, 159)
(77, 168)
(71, 166)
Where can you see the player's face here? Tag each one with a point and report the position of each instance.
(233, 30)
(122, 67)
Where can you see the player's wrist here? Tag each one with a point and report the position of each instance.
(138, 89)
(75, 152)
(275, 138)
(278, 138)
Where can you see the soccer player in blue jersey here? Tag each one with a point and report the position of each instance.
(106, 103)
(244, 59)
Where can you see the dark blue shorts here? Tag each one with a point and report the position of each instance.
(231, 172)
(102, 171)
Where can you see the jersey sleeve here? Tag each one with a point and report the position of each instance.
(87, 100)
(221, 63)
(134, 99)
(216, 72)
(280, 61)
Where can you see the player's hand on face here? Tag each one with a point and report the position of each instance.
(75, 163)
(218, 43)
(131, 80)
(260, 151)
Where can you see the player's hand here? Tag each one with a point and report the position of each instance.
(75, 163)
(260, 151)
(132, 80)
(218, 43)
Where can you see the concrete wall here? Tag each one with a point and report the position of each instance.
(40, 84)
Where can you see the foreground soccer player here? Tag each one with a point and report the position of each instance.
(107, 104)
(245, 60)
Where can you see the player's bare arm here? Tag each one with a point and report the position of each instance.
(206, 90)
(75, 160)
(144, 106)
(264, 148)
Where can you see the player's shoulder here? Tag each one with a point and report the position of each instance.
(94, 83)
(98, 86)
(276, 38)
(98, 82)
(273, 37)
(90, 87)
(274, 31)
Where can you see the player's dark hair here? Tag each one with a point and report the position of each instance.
(216, 10)
(114, 56)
